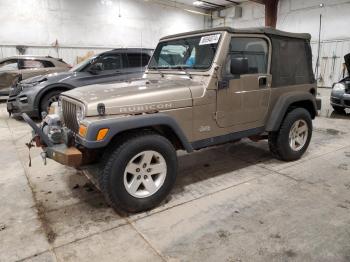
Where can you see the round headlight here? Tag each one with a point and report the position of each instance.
(339, 87)
(79, 113)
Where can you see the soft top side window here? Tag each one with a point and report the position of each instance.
(252, 51)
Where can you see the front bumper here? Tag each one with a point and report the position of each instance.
(17, 105)
(68, 156)
(342, 100)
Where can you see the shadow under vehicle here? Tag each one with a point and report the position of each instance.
(35, 95)
(16, 68)
(201, 89)
(340, 95)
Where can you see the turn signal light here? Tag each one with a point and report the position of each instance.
(82, 130)
(102, 134)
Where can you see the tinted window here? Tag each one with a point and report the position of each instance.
(111, 62)
(255, 50)
(9, 64)
(291, 62)
(138, 59)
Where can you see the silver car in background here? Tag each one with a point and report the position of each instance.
(25, 66)
(340, 96)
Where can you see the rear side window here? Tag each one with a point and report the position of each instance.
(138, 59)
(291, 62)
(47, 63)
(255, 50)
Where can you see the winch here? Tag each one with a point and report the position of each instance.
(52, 127)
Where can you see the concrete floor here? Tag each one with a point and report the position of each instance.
(231, 203)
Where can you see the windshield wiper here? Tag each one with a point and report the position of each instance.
(184, 69)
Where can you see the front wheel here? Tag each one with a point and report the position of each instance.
(139, 173)
(48, 99)
(293, 138)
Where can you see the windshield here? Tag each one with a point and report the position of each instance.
(195, 52)
(82, 65)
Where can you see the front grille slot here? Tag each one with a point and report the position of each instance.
(336, 100)
(69, 115)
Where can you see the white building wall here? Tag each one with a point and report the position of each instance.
(303, 16)
(84, 25)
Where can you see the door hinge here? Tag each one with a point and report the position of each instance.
(223, 84)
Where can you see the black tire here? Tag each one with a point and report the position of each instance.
(279, 141)
(48, 99)
(339, 109)
(111, 180)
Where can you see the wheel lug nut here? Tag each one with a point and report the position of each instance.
(144, 165)
(148, 170)
(145, 177)
(137, 169)
(138, 177)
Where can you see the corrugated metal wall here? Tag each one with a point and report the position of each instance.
(331, 60)
(68, 54)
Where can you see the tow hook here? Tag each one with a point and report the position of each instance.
(30, 144)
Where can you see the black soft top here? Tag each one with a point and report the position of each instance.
(253, 30)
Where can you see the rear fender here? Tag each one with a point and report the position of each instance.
(304, 99)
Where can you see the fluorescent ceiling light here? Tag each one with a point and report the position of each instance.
(196, 12)
(198, 3)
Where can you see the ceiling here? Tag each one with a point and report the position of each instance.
(212, 4)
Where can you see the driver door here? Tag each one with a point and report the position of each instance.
(244, 91)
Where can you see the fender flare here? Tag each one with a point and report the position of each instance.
(281, 106)
(49, 88)
(122, 124)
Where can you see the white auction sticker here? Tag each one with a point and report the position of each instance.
(209, 39)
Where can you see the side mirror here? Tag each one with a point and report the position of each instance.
(239, 66)
(95, 68)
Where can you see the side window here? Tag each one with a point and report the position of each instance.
(29, 64)
(111, 62)
(138, 59)
(253, 51)
(11, 64)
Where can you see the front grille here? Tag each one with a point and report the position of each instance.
(69, 115)
(336, 100)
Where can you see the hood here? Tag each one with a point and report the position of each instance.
(347, 62)
(54, 77)
(136, 96)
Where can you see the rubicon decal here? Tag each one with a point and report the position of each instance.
(145, 108)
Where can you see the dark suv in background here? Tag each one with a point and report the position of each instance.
(36, 94)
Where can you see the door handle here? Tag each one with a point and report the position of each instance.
(262, 81)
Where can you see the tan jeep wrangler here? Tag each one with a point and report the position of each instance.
(201, 89)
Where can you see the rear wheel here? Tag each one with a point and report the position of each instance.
(293, 138)
(139, 173)
(339, 109)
